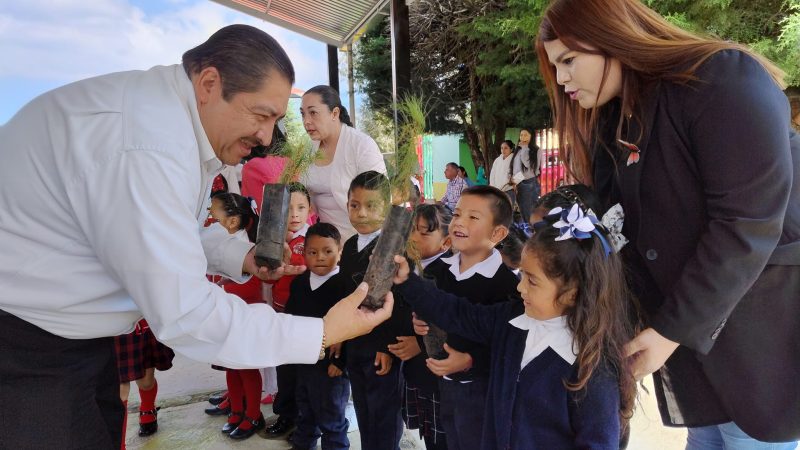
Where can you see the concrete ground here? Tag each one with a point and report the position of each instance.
(183, 391)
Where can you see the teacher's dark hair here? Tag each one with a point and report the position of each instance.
(330, 97)
(244, 57)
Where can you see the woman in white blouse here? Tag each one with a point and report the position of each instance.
(345, 152)
(500, 176)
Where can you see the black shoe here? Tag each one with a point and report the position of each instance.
(241, 434)
(217, 399)
(217, 411)
(229, 427)
(280, 428)
(146, 429)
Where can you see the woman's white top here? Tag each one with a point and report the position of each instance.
(355, 153)
(500, 176)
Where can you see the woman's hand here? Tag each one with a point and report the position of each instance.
(334, 371)
(406, 348)
(456, 362)
(346, 320)
(648, 352)
(402, 270)
(383, 361)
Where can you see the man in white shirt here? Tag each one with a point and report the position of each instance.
(105, 185)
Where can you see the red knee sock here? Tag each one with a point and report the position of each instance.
(124, 425)
(251, 380)
(148, 399)
(235, 393)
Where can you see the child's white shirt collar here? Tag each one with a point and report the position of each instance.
(553, 333)
(240, 234)
(300, 232)
(488, 267)
(425, 262)
(365, 239)
(318, 280)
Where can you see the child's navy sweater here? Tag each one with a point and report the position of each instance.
(315, 303)
(526, 409)
(478, 289)
(353, 265)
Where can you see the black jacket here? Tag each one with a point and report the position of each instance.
(713, 214)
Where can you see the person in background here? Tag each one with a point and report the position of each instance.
(462, 172)
(691, 135)
(455, 185)
(344, 153)
(500, 176)
(524, 172)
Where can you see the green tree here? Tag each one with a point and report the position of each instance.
(771, 27)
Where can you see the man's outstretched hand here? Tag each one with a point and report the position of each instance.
(346, 320)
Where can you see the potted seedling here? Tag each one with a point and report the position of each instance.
(274, 217)
(397, 226)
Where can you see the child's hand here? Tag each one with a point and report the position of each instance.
(456, 362)
(335, 350)
(402, 270)
(420, 327)
(406, 348)
(334, 371)
(383, 361)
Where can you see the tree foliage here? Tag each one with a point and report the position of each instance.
(475, 61)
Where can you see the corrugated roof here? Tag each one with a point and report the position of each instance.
(334, 22)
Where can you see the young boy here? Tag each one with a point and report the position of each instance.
(374, 375)
(322, 388)
(476, 271)
(284, 401)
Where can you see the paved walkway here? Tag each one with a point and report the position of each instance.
(183, 391)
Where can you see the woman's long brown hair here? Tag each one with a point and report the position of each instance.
(649, 49)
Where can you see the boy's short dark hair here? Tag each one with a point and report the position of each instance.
(325, 230)
(371, 181)
(452, 164)
(299, 187)
(499, 203)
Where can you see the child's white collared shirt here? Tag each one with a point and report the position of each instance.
(318, 280)
(488, 267)
(553, 333)
(365, 239)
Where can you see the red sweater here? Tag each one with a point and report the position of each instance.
(280, 288)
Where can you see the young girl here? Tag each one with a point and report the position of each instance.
(420, 406)
(558, 376)
(237, 215)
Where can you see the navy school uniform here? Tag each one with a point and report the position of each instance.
(463, 394)
(377, 398)
(421, 407)
(320, 399)
(526, 409)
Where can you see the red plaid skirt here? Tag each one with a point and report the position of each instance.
(139, 351)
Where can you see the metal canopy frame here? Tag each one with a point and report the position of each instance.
(334, 22)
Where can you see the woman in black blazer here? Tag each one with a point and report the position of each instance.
(692, 135)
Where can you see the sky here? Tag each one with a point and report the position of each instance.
(45, 44)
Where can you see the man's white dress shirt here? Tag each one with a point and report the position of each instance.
(105, 184)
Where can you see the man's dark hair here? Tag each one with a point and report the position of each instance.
(453, 165)
(325, 230)
(499, 203)
(243, 55)
(371, 181)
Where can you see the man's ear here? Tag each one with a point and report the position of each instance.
(206, 84)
